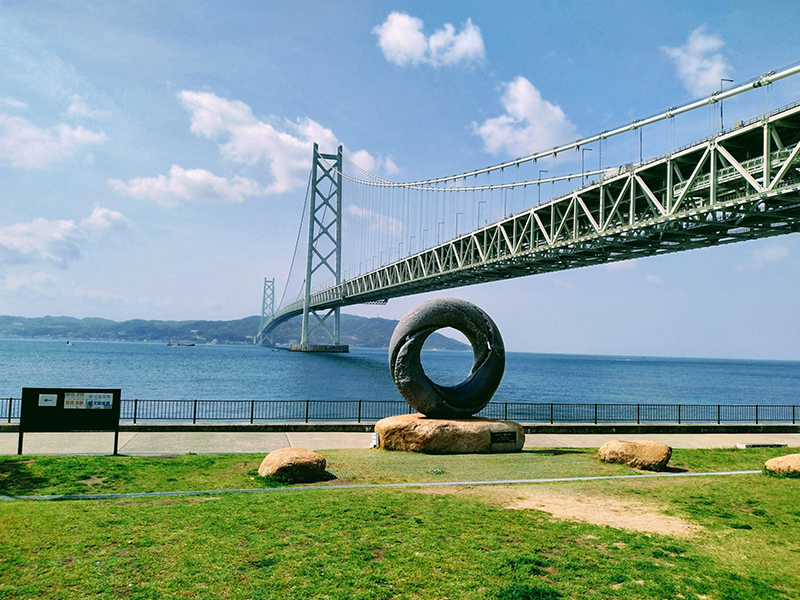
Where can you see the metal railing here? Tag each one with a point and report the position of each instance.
(306, 411)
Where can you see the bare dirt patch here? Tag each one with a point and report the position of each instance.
(597, 509)
(623, 514)
(93, 480)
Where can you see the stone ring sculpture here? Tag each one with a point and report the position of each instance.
(439, 401)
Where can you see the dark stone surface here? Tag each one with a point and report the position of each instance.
(429, 398)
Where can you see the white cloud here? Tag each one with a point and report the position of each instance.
(771, 253)
(621, 265)
(57, 242)
(700, 66)
(249, 140)
(102, 219)
(40, 240)
(78, 109)
(31, 281)
(377, 221)
(12, 103)
(23, 144)
(197, 185)
(402, 41)
(529, 124)
(373, 164)
(761, 256)
(390, 166)
(364, 160)
(654, 279)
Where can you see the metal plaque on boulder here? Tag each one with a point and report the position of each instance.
(503, 437)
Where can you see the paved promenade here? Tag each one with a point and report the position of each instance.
(146, 443)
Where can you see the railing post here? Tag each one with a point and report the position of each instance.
(679, 414)
(638, 414)
(756, 414)
(307, 401)
(359, 410)
(505, 411)
(595, 413)
(719, 414)
(11, 401)
(793, 407)
(252, 409)
(135, 409)
(194, 412)
(551, 413)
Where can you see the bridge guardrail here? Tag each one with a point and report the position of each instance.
(305, 411)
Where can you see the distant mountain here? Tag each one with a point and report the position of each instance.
(356, 331)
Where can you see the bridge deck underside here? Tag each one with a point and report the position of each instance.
(743, 184)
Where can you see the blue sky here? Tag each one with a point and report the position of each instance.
(154, 156)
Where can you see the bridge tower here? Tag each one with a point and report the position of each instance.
(324, 249)
(267, 311)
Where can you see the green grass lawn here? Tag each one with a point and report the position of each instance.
(383, 543)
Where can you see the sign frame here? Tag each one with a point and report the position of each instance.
(68, 410)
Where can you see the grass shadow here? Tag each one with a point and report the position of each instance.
(669, 469)
(16, 477)
(553, 451)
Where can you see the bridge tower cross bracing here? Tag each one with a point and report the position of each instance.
(324, 249)
(267, 311)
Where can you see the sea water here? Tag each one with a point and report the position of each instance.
(231, 372)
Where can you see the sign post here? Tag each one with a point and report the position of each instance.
(66, 410)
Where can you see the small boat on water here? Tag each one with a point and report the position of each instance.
(180, 344)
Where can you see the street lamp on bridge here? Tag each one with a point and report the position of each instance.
(539, 185)
(721, 122)
(583, 170)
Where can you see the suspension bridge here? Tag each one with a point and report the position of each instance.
(370, 239)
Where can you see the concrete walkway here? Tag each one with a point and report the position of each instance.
(144, 443)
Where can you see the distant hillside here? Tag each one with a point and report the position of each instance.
(356, 331)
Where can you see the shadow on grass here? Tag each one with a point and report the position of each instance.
(271, 482)
(17, 479)
(673, 470)
(553, 451)
(768, 473)
(519, 591)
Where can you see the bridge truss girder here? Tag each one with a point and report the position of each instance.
(739, 185)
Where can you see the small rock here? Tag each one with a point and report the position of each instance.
(788, 464)
(294, 465)
(418, 433)
(638, 454)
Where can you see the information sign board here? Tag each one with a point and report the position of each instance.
(69, 410)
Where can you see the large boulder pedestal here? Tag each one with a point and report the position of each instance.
(638, 454)
(294, 465)
(418, 433)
